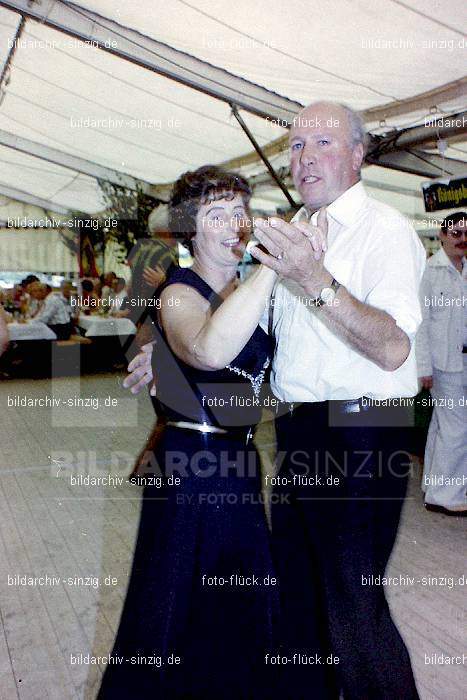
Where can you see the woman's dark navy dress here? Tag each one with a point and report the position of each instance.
(181, 601)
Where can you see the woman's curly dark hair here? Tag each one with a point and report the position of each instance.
(194, 188)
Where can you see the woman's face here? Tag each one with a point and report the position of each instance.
(222, 229)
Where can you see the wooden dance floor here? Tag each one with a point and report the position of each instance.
(65, 539)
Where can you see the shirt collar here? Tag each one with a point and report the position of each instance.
(440, 259)
(345, 208)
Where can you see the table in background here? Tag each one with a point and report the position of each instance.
(111, 338)
(106, 326)
(31, 330)
(29, 352)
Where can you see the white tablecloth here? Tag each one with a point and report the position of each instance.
(102, 325)
(32, 330)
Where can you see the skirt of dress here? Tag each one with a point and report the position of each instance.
(202, 601)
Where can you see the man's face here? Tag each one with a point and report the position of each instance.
(323, 161)
(455, 239)
(34, 289)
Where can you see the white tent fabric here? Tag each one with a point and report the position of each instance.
(85, 102)
(35, 249)
(313, 51)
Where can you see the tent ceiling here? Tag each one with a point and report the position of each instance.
(154, 128)
(298, 50)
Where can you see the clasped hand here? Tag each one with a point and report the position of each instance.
(296, 250)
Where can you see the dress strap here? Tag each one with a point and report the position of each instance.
(184, 275)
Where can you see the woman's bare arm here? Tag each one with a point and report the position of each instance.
(210, 341)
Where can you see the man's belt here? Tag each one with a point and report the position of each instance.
(343, 407)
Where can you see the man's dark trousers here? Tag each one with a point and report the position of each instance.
(335, 531)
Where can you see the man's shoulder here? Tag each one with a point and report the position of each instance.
(438, 259)
(439, 268)
(390, 226)
(386, 215)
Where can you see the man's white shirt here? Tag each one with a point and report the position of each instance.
(443, 332)
(54, 310)
(375, 253)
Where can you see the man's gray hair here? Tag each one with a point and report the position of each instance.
(357, 127)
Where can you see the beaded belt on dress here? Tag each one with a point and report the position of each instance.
(232, 433)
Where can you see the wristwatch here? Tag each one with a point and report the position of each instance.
(327, 294)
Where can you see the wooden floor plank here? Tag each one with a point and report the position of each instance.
(48, 525)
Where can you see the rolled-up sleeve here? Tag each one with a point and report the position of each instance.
(395, 270)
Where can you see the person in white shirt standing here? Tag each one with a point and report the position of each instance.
(442, 367)
(344, 324)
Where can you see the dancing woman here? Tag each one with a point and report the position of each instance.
(202, 587)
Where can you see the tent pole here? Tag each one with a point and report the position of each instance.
(5, 75)
(266, 162)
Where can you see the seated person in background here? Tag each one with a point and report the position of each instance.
(107, 281)
(66, 292)
(29, 306)
(117, 296)
(4, 339)
(52, 311)
(99, 285)
(17, 293)
(27, 281)
(89, 301)
(441, 349)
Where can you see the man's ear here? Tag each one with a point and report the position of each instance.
(357, 157)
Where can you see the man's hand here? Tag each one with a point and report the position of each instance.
(295, 251)
(140, 371)
(426, 382)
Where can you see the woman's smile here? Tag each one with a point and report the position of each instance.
(231, 242)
